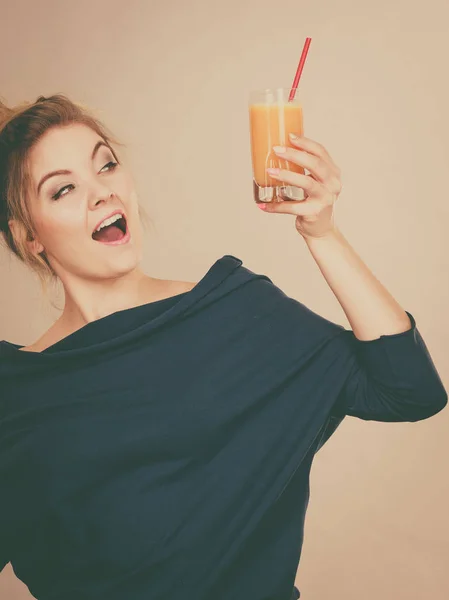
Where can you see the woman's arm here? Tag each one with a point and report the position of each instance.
(370, 308)
(395, 378)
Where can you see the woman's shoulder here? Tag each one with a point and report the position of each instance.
(180, 287)
(51, 336)
(57, 331)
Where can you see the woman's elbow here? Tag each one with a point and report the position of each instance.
(430, 408)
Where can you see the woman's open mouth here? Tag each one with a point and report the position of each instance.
(114, 234)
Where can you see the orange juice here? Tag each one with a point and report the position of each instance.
(272, 117)
(270, 125)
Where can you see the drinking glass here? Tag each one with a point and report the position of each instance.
(272, 117)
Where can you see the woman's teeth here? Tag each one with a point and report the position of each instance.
(107, 222)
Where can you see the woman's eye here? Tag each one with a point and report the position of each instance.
(59, 193)
(114, 164)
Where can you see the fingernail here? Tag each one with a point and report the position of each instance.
(280, 149)
(262, 206)
(273, 172)
(293, 136)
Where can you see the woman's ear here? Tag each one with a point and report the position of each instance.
(22, 237)
(35, 247)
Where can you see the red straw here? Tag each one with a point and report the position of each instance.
(300, 68)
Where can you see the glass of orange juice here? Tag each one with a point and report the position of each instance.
(272, 117)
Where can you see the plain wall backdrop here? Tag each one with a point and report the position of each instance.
(171, 80)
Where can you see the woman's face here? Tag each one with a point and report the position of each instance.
(66, 208)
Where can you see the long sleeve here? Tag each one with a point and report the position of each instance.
(393, 379)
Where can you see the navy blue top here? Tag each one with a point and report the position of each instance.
(164, 451)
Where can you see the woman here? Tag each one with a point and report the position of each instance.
(156, 441)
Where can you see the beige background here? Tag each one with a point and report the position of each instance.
(171, 80)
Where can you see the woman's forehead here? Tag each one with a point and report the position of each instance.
(62, 149)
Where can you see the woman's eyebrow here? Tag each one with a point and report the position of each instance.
(67, 172)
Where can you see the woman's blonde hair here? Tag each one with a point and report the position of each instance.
(21, 128)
